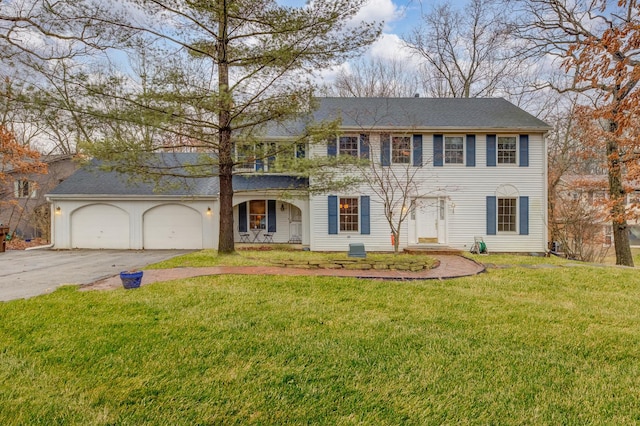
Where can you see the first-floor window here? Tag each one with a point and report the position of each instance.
(608, 235)
(348, 214)
(400, 149)
(257, 214)
(507, 214)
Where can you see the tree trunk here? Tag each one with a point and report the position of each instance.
(225, 151)
(225, 239)
(396, 242)
(617, 194)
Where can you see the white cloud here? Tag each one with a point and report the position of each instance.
(379, 11)
(390, 47)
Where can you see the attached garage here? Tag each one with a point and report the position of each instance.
(100, 226)
(172, 226)
(99, 209)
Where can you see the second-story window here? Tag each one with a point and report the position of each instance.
(400, 149)
(348, 145)
(453, 150)
(507, 147)
(24, 189)
(267, 156)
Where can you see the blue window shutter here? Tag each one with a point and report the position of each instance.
(385, 150)
(364, 147)
(471, 150)
(524, 150)
(259, 164)
(365, 217)
(492, 220)
(417, 150)
(524, 215)
(271, 216)
(242, 217)
(491, 150)
(438, 151)
(333, 214)
(332, 148)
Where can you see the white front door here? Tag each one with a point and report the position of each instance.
(427, 221)
(295, 224)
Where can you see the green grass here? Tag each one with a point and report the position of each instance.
(267, 258)
(511, 346)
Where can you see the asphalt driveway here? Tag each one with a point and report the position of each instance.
(28, 273)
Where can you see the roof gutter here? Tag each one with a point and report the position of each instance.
(115, 197)
(447, 129)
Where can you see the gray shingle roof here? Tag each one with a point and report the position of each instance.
(423, 113)
(90, 180)
(468, 113)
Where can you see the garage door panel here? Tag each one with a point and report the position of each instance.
(100, 226)
(172, 226)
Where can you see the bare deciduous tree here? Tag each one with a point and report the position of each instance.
(375, 78)
(466, 53)
(598, 43)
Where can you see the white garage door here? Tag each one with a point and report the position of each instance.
(172, 226)
(100, 226)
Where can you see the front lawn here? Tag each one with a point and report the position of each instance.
(511, 346)
(278, 257)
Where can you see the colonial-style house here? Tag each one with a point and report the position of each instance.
(477, 169)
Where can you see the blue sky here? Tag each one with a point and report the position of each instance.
(400, 16)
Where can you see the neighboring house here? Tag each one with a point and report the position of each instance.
(24, 207)
(589, 195)
(479, 168)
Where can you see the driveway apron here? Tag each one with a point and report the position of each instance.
(28, 273)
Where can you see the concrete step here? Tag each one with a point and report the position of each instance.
(433, 249)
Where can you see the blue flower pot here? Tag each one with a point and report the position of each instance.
(131, 279)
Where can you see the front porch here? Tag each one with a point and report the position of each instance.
(268, 221)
